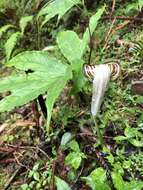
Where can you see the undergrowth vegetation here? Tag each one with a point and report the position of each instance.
(48, 138)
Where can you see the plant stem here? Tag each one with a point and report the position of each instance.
(38, 36)
(97, 130)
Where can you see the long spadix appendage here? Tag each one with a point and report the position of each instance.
(100, 75)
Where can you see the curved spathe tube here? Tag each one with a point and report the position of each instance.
(100, 76)
(100, 80)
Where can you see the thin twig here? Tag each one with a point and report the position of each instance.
(79, 173)
(11, 178)
(122, 18)
(3, 126)
(31, 147)
(120, 26)
(43, 152)
(6, 149)
(52, 179)
(7, 161)
(113, 6)
(109, 33)
(19, 163)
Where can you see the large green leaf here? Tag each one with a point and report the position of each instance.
(56, 7)
(48, 75)
(73, 48)
(61, 184)
(70, 46)
(52, 95)
(38, 61)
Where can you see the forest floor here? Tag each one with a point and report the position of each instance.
(29, 160)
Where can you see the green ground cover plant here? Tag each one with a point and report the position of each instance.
(48, 138)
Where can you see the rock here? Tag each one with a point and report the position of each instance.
(137, 87)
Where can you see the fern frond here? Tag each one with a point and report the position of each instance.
(24, 21)
(138, 49)
(10, 44)
(5, 28)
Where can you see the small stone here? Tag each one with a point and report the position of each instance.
(137, 87)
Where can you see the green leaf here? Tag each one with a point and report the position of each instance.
(137, 6)
(30, 174)
(79, 79)
(73, 48)
(65, 139)
(74, 146)
(56, 7)
(140, 2)
(120, 184)
(24, 21)
(24, 89)
(36, 176)
(61, 184)
(139, 99)
(10, 44)
(70, 46)
(118, 168)
(134, 185)
(53, 93)
(130, 135)
(118, 181)
(25, 186)
(98, 172)
(74, 159)
(48, 74)
(36, 166)
(132, 7)
(4, 28)
(136, 143)
(127, 164)
(120, 138)
(92, 26)
(97, 180)
(131, 132)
